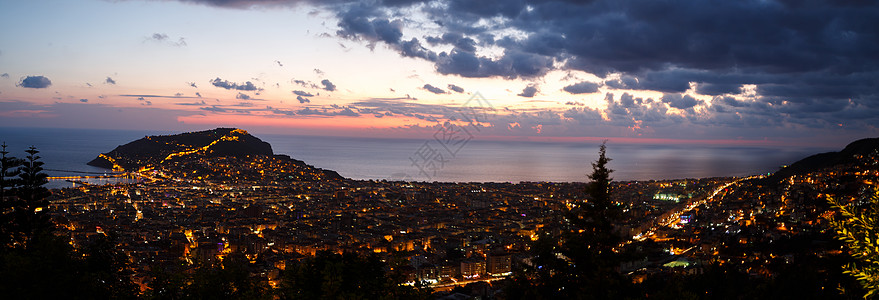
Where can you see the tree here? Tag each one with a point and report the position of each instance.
(575, 258)
(108, 268)
(37, 264)
(344, 276)
(857, 227)
(599, 186)
(597, 216)
(8, 171)
(26, 209)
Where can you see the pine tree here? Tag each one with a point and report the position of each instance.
(29, 209)
(600, 212)
(579, 262)
(8, 171)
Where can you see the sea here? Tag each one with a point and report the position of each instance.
(66, 151)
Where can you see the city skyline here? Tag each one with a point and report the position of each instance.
(745, 73)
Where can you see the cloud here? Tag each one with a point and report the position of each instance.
(4, 75)
(197, 103)
(329, 86)
(456, 88)
(83, 100)
(584, 87)
(303, 99)
(35, 82)
(192, 84)
(528, 92)
(715, 89)
(680, 101)
(360, 22)
(198, 94)
(279, 63)
(303, 93)
(319, 72)
(110, 81)
(798, 64)
(141, 98)
(511, 65)
(242, 96)
(247, 86)
(306, 84)
(433, 89)
(163, 38)
(342, 111)
(177, 95)
(213, 108)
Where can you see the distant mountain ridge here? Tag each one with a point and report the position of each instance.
(154, 150)
(821, 161)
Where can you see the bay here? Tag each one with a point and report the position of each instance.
(64, 150)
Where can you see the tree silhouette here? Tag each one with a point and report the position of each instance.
(574, 257)
(9, 170)
(344, 276)
(37, 264)
(24, 203)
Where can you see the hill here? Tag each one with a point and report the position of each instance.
(850, 154)
(154, 150)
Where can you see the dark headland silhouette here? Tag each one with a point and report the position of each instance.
(195, 149)
(850, 154)
(153, 150)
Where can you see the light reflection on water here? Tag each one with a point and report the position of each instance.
(478, 160)
(64, 183)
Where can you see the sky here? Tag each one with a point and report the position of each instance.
(709, 72)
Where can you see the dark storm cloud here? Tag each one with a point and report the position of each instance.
(528, 91)
(584, 87)
(303, 93)
(35, 82)
(329, 86)
(433, 89)
(512, 64)
(110, 81)
(364, 22)
(715, 89)
(803, 58)
(247, 86)
(679, 101)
